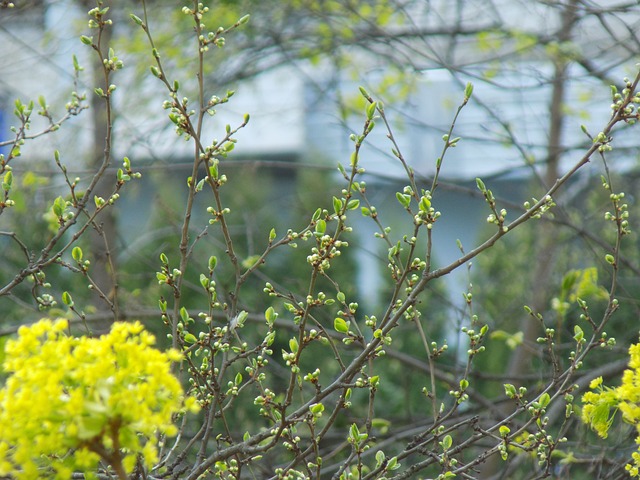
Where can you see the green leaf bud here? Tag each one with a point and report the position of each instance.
(403, 199)
(578, 333)
(509, 390)
(468, 91)
(136, 19)
(371, 110)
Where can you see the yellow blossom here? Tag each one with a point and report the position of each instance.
(626, 398)
(69, 400)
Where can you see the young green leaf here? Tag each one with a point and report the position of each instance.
(340, 325)
(7, 181)
(76, 254)
(446, 442)
(544, 400)
(67, 299)
(58, 206)
(270, 316)
(404, 199)
(337, 205)
(353, 204)
(425, 204)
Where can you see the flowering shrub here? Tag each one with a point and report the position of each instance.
(626, 398)
(71, 402)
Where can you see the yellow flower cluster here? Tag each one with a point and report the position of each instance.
(626, 398)
(69, 402)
